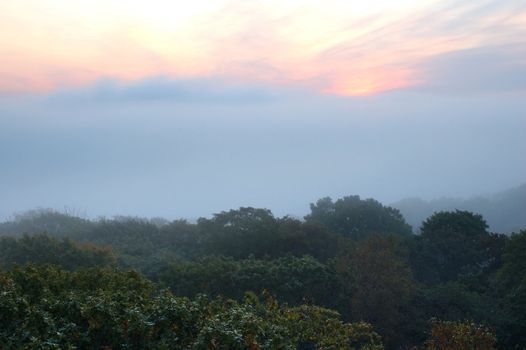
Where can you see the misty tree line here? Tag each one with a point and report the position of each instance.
(504, 211)
(455, 281)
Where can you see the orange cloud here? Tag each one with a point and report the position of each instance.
(331, 46)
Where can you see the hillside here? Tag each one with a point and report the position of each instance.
(505, 211)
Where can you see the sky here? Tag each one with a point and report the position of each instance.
(183, 109)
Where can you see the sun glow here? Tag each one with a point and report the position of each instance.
(344, 47)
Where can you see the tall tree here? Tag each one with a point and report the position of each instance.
(357, 218)
(451, 244)
(377, 284)
(239, 233)
(512, 285)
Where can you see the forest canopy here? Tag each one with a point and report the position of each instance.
(351, 274)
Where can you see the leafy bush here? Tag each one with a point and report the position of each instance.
(43, 249)
(448, 335)
(100, 308)
(292, 279)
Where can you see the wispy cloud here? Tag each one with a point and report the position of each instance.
(159, 89)
(334, 46)
(486, 69)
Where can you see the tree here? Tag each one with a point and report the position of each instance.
(377, 284)
(239, 233)
(512, 288)
(292, 279)
(451, 244)
(298, 238)
(469, 224)
(50, 308)
(181, 237)
(447, 335)
(357, 218)
(46, 220)
(43, 249)
(129, 236)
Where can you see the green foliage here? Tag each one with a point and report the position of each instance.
(343, 257)
(316, 325)
(512, 272)
(376, 284)
(43, 249)
(302, 238)
(229, 233)
(256, 232)
(46, 220)
(179, 237)
(448, 335)
(50, 308)
(130, 236)
(512, 287)
(449, 222)
(292, 279)
(454, 301)
(357, 218)
(451, 244)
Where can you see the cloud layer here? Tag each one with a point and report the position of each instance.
(127, 153)
(180, 108)
(342, 47)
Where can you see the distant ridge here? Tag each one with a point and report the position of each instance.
(504, 211)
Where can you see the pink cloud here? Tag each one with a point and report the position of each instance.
(323, 48)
